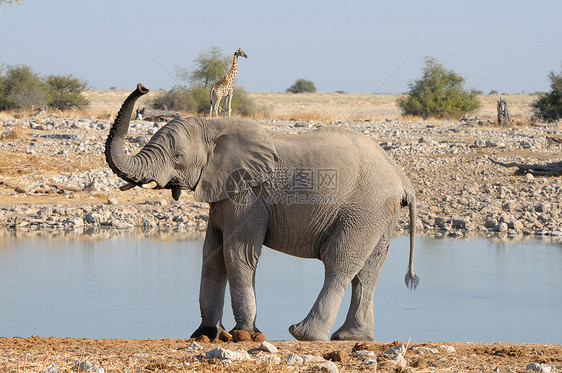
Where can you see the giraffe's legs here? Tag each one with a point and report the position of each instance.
(228, 103)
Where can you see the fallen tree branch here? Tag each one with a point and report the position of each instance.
(549, 169)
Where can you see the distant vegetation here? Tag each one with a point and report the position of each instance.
(9, 2)
(302, 86)
(439, 93)
(65, 91)
(209, 67)
(20, 87)
(549, 105)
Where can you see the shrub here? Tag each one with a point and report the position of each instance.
(301, 86)
(438, 93)
(21, 87)
(549, 105)
(196, 99)
(65, 92)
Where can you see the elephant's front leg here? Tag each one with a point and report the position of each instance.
(241, 259)
(213, 285)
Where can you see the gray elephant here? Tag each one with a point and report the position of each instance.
(330, 194)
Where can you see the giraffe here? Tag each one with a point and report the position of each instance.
(225, 87)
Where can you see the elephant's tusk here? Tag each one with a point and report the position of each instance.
(153, 184)
(127, 187)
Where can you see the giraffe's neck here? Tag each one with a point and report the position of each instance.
(231, 73)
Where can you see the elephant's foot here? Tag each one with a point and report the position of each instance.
(303, 332)
(249, 329)
(353, 334)
(212, 332)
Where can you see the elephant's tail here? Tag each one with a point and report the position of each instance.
(411, 279)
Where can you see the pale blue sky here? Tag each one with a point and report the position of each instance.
(352, 45)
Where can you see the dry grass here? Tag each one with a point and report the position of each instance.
(314, 106)
(104, 103)
(18, 132)
(16, 163)
(302, 107)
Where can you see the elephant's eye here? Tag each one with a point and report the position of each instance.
(180, 161)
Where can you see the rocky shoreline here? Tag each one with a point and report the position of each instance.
(54, 177)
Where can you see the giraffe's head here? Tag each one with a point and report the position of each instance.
(240, 53)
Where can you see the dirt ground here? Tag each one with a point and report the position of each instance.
(38, 354)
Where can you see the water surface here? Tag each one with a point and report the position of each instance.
(470, 290)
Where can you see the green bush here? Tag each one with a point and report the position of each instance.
(438, 93)
(21, 87)
(549, 105)
(65, 92)
(196, 99)
(302, 86)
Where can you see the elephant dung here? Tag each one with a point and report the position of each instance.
(225, 336)
(258, 337)
(203, 339)
(337, 356)
(241, 336)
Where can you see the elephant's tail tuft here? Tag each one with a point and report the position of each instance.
(411, 280)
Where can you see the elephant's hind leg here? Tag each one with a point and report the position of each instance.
(359, 323)
(341, 265)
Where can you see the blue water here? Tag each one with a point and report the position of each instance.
(470, 290)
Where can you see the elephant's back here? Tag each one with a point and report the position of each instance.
(332, 147)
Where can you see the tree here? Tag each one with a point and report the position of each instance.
(438, 93)
(9, 2)
(549, 105)
(65, 92)
(301, 86)
(21, 87)
(210, 66)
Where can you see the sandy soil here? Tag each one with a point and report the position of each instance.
(37, 354)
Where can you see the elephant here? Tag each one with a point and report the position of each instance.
(331, 193)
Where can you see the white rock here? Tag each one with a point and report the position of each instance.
(53, 369)
(224, 354)
(294, 359)
(268, 347)
(112, 201)
(396, 350)
(328, 366)
(557, 232)
(364, 353)
(448, 348)
(371, 362)
(313, 359)
(399, 361)
(194, 346)
(85, 366)
(425, 350)
(542, 368)
(269, 359)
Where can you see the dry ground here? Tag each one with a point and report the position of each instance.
(36, 354)
(320, 106)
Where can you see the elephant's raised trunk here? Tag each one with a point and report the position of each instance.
(126, 167)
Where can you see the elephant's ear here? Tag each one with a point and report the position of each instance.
(243, 156)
